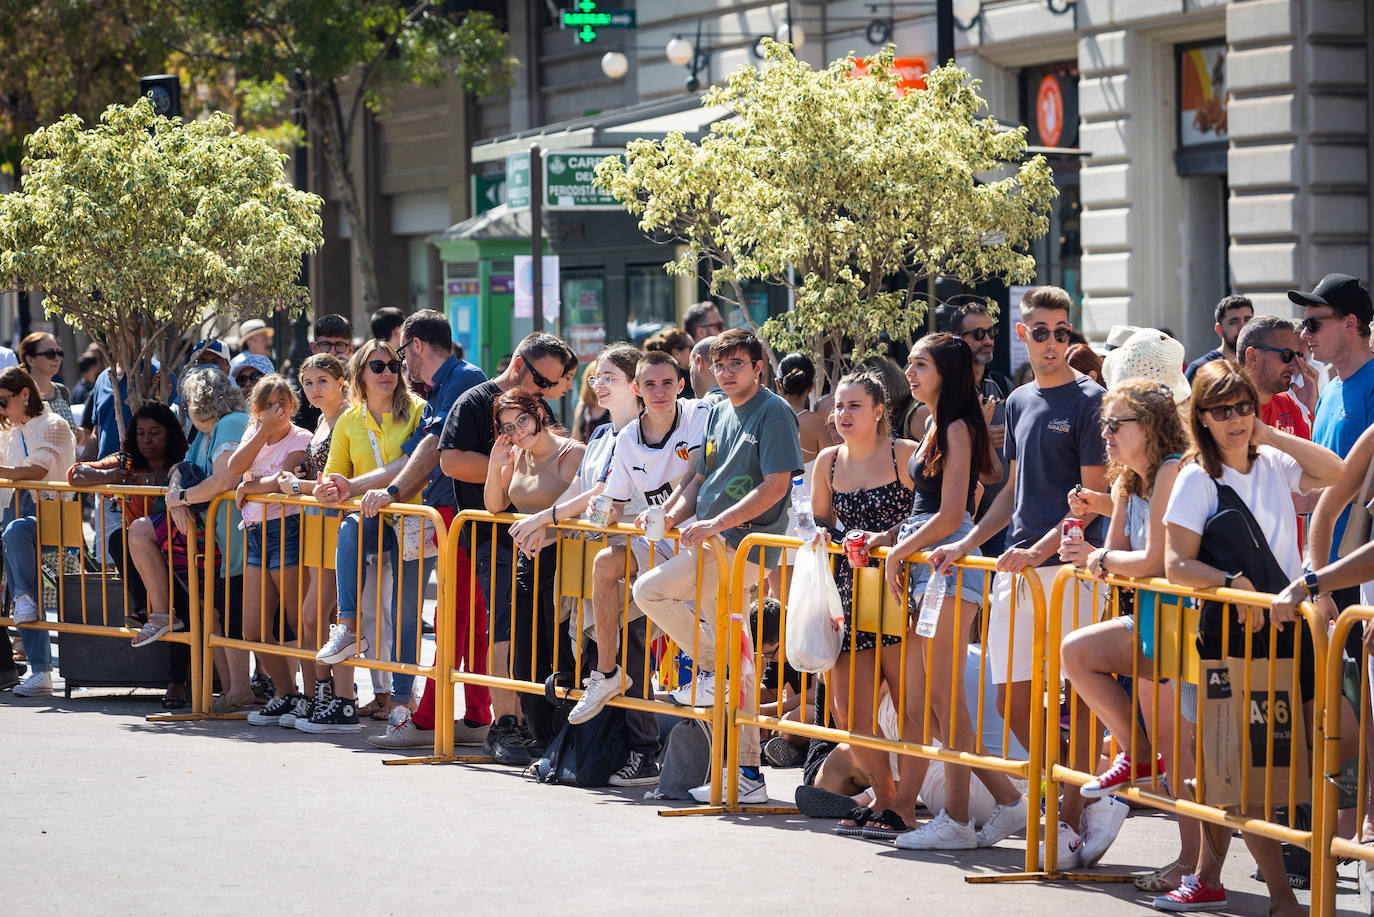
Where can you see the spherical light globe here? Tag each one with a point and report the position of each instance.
(614, 64)
(967, 10)
(679, 51)
(796, 36)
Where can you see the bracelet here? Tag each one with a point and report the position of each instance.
(553, 514)
(1102, 563)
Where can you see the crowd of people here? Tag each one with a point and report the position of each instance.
(1113, 460)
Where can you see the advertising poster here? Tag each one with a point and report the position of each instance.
(1202, 90)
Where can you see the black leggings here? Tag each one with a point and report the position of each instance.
(534, 633)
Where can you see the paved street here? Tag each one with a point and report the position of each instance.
(109, 814)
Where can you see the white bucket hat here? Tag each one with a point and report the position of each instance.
(1148, 354)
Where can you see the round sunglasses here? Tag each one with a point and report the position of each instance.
(1040, 334)
(381, 366)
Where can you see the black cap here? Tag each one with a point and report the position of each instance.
(1342, 293)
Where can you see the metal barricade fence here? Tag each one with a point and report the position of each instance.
(89, 593)
(1334, 779)
(1244, 713)
(880, 613)
(479, 536)
(270, 589)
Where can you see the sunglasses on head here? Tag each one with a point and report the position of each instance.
(1040, 334)
(1285, 354)
(1225, 411)
(381, 366)
(980, 334)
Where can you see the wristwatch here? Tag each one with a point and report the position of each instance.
(1309, 582)
(393, 490)
(182, 495)
(1232, 577)
(295, 487)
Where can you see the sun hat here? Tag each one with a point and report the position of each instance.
(251, 361)
(1148, 354)
(252, 328)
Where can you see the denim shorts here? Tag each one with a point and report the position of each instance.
(271, 544)
(970, 581)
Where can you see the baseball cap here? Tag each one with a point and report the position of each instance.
(1342, 293)
(218, 348)
(251, 361)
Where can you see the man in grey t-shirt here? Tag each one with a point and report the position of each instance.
(750, 452)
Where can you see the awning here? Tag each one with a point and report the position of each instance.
(682, 113)
(497, 224)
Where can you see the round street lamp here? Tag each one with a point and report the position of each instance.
(614, 64)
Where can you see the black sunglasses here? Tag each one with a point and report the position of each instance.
(1285, 354)
(979, 334)
(539, 378)
(1040, 334)
(381, 366)
(54, 354)
(248, 380)
(1224, 411)
(1112, 424)
(1311, 325)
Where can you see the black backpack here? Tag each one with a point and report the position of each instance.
(586, 754)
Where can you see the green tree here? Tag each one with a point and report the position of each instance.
(337, 57)
(843, 192)
(142, 231)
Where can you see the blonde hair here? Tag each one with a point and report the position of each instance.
(264, 389)
(357, 391)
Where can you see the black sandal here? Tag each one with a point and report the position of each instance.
(860, 816)
(885, 826)
(172, 702)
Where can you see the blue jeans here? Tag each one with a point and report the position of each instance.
(356, 537)
(21, 569)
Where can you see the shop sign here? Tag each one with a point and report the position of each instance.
(1049, 104)
(518, 181)
(911, 73)
(568, 180)
(1049, 111)
(462, 287)
(502, 284)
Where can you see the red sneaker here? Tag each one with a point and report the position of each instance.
(1123, 772)
(1192, 894)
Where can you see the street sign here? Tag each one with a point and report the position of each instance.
(518, 181)
(488, 192)
(586, 19)
(568, 181)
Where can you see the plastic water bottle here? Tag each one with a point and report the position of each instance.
(936, 589)
(801, 510)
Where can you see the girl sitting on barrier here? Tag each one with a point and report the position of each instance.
(325, 383)
(153, 444)
(368, 436)
(1145, 439)
(38, 446)
(864, 483)
(271, 445)
(1261, 467)
(954, 454)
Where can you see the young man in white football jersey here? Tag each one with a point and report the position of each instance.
(652, 455)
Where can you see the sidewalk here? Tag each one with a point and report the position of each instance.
(110, 814)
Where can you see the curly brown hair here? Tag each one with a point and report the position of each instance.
(1153, 407)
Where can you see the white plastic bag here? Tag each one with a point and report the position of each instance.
(815, 615)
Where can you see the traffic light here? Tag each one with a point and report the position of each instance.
(165, 91)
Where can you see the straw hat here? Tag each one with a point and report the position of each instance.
(252, 328)
(1148, 354)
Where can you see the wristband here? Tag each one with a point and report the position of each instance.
(1102, 563)
(1309, 582)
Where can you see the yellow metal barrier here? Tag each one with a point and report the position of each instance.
(59, 530)
(879, 612)
(1331, 844)
(578, 543)
(1175, 660)
(316, 550)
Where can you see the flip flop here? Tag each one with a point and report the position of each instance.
(815, 802)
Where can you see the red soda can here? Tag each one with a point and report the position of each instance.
(855, 549)
(1072, 532)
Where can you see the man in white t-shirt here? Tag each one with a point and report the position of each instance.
(652, 454)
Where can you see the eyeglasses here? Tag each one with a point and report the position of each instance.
(1285, 354)
(711, 327)
(521, 422)
(1112, 424)
(54, 354)
(381, 366)
(1313, 324)
(249, 379)
(603, 379)
(4, 402)
(1224, 411)
(541, 380)
(338, 348)
(730, 366)
(1040, 334)
(981, 334)
(207, 358)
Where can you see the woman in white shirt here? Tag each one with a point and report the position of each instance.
(38, 446)
(1232, 446)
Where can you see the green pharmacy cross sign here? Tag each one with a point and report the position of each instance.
(586, 18)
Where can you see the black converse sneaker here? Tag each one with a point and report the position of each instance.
(639, 770)
(271, 713)
(301, 708)
(340, 715)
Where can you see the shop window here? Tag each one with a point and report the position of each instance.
(649, 301)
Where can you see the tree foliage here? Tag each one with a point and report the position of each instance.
(142, 230)
(332, 58)
(845, 193)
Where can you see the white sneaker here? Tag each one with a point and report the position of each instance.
(940, 833)
(597, 690)
(1100, 823)
(705, 691)
(752, 790)
(1070, 849)
(342, 644)
(401, 732)
(25, 610)
(38, 684)
(1004, 821)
